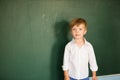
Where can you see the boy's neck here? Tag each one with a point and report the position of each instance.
(80, 41)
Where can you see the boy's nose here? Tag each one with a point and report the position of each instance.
(77, 30)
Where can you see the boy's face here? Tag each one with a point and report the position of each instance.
(79, 31)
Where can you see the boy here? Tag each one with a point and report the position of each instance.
(78, 53)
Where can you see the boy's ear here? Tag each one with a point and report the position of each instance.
(85, 32)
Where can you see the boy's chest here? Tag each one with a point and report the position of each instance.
(79, 53)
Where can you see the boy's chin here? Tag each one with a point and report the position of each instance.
(78, 37)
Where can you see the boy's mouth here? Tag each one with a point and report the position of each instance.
(77, 34)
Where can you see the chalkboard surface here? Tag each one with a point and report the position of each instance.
(33, 34)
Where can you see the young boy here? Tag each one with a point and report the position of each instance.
(78, 53)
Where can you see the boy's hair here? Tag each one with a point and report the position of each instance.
(78, 21)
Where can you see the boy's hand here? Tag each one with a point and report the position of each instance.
(66, 78)
(94, 77)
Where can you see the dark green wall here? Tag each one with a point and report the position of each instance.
(33, 34)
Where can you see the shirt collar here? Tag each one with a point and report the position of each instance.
(84, 40)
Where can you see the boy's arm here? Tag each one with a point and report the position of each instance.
(66, 76)
(93, 63)
(66, 63)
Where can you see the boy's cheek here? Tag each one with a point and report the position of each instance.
(72, 34)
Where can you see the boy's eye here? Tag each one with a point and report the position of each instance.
(73, 29)
(80, 29)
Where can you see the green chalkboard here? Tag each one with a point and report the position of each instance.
(33, 34)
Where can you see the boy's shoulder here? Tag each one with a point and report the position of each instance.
(69, 43)
(88, 44)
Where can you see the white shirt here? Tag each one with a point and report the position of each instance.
(76, 60)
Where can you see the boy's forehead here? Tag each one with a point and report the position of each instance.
(80, 25)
